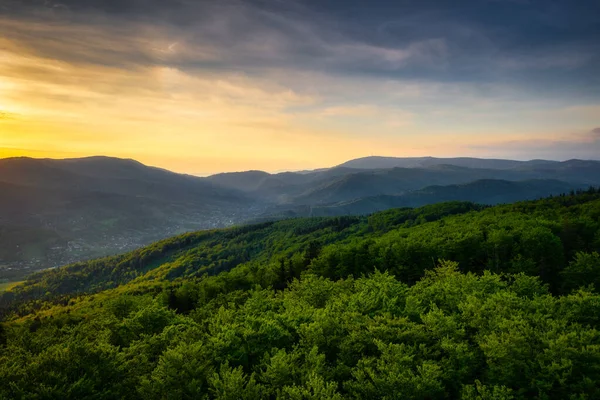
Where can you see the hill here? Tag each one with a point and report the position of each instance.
(377, 162)
(352, 181)
(57, 211)
(278, 188)
(328, 308)
(483, 191)
(112, 175)
(397, 181)
(54, 212)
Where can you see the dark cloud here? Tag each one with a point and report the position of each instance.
(547, 45)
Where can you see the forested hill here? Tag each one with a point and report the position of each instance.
(53, 212)
(56, 212)
(452, 300)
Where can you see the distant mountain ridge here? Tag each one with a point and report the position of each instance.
(377, 162)
(80, 208)
(105, 174)
(342, 183)
(57, 211)
(484, 191)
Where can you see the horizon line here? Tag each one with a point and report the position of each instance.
(201, 174)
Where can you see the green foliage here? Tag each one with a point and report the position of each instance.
(325, 309)
(582, 271)
(449, 335)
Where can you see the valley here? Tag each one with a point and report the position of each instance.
(56, 212)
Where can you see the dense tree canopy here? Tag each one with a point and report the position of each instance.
(328, 308)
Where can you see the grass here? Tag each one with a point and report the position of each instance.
(4, 286)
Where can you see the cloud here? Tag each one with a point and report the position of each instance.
(236, 55)
(5, 115)
(434, 43)
(228, 35)
(582, 111)
(272, 78)
(559, 58)
(584, 145)
(410, 47)
(350, 110)
(361, 115)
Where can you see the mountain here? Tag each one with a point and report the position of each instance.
(58, 211)
(112, 175)
(396, 181)
(342, 183)
(376, 162)
(490, 191)
(584, 171)
(451, 300)
(278, 188)
(483, 191)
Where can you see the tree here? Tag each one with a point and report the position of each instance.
(584, 270)
(3, 338)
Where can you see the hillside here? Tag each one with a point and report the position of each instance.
(325, 308)
(393, 176)
(397, 181)
(376, 162)
(484, 191)
(112, 175)
(281, 187)
(57, 211)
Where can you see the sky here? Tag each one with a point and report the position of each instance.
(228, 85)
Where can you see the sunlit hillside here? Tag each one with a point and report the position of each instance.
(451, 300)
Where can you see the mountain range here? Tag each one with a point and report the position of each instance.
(54, 212)
(375, 162)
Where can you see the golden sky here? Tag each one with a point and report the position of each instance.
(95, 85)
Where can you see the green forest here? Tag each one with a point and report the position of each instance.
(448, 301)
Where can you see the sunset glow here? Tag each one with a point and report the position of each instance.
(246, 86)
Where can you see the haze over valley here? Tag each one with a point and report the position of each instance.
(56, 212)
